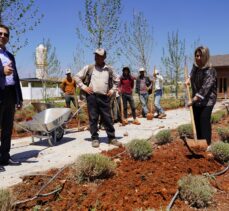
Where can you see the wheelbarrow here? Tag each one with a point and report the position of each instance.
(48, 124)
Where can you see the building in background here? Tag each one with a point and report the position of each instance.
(42, 87)
(221, 64)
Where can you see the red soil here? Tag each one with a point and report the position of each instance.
(136, 184)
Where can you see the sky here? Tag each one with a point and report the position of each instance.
(203, 20)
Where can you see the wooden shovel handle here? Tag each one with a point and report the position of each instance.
(190, 107)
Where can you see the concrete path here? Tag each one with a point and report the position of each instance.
(38, 156)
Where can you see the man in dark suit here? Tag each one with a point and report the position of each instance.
(10, 97)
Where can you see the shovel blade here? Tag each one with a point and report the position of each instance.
(199, 143)
(149, 116)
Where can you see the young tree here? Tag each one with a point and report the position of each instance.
(174, 59)
(100, 24)
(137, 41)
(20, 16)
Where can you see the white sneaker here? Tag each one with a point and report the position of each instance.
(208, 148)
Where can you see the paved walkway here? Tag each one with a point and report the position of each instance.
(38, 156)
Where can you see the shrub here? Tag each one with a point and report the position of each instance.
(140, 149)
(172, 103)
(224, 134)
(196, 190)
(5, 200)
(220, 151)
(163, 137)
(185, 130)
(217, 116)
(90, 167)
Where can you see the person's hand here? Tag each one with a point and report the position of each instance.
(110, 93)
(88, 90)
(187, 82)
(8, 70)
(194, 99)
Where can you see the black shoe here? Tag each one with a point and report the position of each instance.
(2, 169)
(11, 162)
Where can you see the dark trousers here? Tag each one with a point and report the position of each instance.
(202, 117)
(99, 105)
(128, 98)
(7, 110)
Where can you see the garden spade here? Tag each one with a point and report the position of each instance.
(123, 121)
(149, 116)
(195, 143)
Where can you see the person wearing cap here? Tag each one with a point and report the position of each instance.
(143, 84)
(99, 82)
(158, 87)
(126, 86)
(69, 88)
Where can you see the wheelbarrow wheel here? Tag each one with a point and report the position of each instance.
(59, 134)
(56, 137)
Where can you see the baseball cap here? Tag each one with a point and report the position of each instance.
(68, 71)
(100, 51)
(142, 69)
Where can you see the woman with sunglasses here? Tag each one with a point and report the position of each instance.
(204, 92)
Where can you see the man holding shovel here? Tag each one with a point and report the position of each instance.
(143, 83)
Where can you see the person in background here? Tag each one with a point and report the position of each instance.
(126, 86)
(204, 92)
(143, 84)
(158, 87)
(69, 88)
(99, 82)
(10, 97)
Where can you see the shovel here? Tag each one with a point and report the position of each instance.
(123, 121)
(190, 143)
(149, 116)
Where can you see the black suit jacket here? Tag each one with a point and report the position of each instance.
(18, 91)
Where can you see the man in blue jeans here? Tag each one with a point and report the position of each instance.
(143, 84)
(158, 80)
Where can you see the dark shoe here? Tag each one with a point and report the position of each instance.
(2, 169)
(115, 142)
(12, 162)
(162, 115)
(95, 143)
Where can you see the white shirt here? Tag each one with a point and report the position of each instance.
(6, 61)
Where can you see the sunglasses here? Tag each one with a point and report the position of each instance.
(4, 34)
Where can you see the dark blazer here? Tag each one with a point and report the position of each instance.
(18, 91)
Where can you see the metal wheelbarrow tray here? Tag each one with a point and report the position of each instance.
(48, 124)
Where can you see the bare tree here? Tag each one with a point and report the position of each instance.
(20, 16)
(137, 41)
(174, 59)
(100, 24)
(79, 59)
